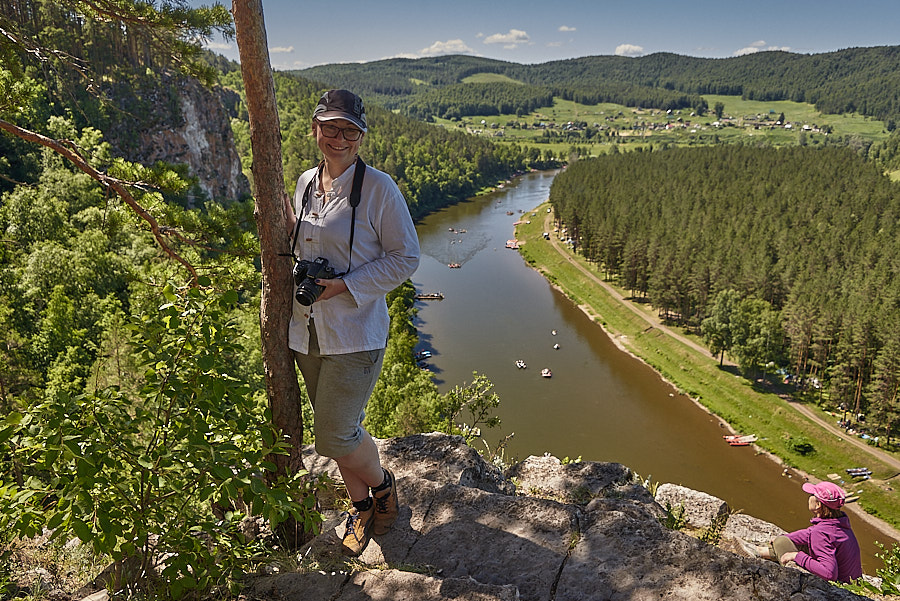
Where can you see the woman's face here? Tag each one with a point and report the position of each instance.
(337, 149)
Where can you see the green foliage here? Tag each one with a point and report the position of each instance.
(83, 38)
(135, 475)
(475, 398)
(712, 534)
(801, 446)
(405, 398)
(461, 100)
(674, 518)
(716, 328)
(18, 93)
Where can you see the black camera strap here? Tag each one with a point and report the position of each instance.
(355, 196)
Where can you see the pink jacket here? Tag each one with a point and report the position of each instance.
(828, 549)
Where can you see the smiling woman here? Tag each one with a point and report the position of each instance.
(339, 322)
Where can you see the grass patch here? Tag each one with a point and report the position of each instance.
(782, 431)
(490, 78)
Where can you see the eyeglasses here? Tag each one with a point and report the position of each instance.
(351, 134)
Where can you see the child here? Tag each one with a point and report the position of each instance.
(828, 548)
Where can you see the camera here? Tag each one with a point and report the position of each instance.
(305, 275)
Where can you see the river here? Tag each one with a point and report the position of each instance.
(601, 404)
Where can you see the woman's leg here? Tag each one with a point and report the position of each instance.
(782, 545)
(361, 469)
(339, 387)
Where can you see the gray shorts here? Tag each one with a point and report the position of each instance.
(339, 386)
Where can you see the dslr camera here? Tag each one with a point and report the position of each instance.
(305, 275)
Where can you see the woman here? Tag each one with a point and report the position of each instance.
(828, 548)
(339, 332)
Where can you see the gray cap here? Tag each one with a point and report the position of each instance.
(341, 104)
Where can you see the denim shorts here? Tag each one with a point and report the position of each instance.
(339, 386)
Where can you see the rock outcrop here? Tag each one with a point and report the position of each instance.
(179, 121)
(542, 531)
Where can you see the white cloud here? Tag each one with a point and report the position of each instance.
(629, 50)
(281, 50)
(510, 40)
(566, 28)
(448, 47)
(759, 46)
(554, 44)
(218, 46)
(746, 51)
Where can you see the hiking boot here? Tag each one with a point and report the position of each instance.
(356, 531)
(752, 550)
(387, 504)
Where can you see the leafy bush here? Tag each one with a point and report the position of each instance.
(135, 476)
(801, 446)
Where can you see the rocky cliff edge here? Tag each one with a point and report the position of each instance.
(541, 531)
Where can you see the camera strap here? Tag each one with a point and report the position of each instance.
(355, 196)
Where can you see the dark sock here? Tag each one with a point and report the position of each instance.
(364, 505)
(386, 483)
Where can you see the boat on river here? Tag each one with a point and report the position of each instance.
(738, 440)
(454, 265)
(520, 364)
(546, 372)
(430, 296)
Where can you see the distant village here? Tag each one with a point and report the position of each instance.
(643, 123)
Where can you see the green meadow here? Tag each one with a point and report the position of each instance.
(629, 128)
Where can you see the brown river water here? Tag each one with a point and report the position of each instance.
(601, 404)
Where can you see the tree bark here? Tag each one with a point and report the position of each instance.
(268, 177)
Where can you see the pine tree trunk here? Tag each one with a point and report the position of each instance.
(268, 176)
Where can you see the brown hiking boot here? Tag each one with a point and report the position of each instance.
(387, 504)
(356, 532)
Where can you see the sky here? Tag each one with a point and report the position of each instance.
(304, 34)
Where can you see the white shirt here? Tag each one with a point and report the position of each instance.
(385, 254)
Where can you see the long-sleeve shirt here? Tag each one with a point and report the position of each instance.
(385, 254)
(828, 549)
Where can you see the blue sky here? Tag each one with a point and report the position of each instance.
(304, 34)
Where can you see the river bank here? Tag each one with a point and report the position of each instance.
(689, 367)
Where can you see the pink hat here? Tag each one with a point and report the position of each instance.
(828, 493)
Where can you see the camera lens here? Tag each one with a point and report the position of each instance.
(305, 296)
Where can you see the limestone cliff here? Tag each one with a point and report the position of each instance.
(177, 120)
(542, 531)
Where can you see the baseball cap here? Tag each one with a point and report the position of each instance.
(341, 104)
(828, 493)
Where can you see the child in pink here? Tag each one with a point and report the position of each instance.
(828, 548)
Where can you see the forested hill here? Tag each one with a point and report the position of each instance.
(784, 257)
(863, 80)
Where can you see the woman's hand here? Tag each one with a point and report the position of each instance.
(290, 218)
(332, 287)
